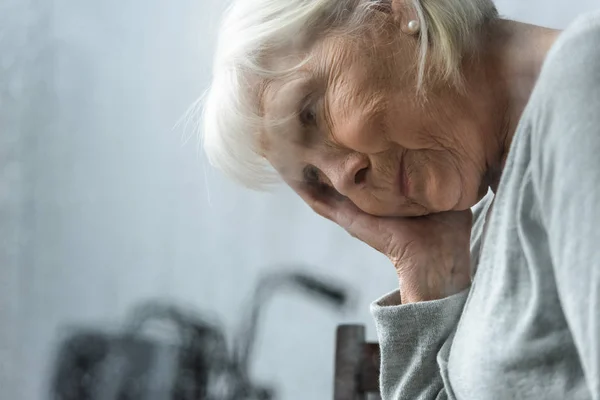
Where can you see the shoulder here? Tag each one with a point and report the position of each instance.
(480, 211)
(582, 26)
(564, 116)
(573, 62)
(565, 105)
(578, 40)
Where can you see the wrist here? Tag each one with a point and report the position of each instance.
(409, 294)
(426, 285)
(415, 291)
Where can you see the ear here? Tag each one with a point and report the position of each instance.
(404, 12)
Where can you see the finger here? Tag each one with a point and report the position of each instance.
(355, 221)
(326, 202)
(345, 213)
(381, 233)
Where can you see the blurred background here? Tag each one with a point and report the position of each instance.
(105, 200)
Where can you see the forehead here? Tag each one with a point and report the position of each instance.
(282, 97)
(290, 72)
(303, 62)
(306, 71)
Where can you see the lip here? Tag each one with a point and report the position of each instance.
(404, 183)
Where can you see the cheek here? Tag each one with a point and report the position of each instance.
(358, 120)
(436, 179)
(408, 127)
(287, 159)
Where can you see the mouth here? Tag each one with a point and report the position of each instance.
(404, 183)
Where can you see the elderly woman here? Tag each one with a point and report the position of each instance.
(464, 147)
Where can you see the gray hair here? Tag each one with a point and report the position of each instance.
(253, 28)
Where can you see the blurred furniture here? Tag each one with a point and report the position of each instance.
(356, 365)
(193, 362)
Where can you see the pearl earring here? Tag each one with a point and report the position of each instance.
(413, 27)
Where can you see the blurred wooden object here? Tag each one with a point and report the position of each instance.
(356, 365)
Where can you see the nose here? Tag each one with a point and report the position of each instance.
(350, 173)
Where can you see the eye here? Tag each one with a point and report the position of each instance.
(316, 179)
(308, 117)
(311, 175)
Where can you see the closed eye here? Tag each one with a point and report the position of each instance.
(308, 117)
(314, 178)
(311, 175)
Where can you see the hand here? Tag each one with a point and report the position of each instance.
(431, 254)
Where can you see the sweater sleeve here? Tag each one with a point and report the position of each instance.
(411, 336)
(415, 339)
(567, 174)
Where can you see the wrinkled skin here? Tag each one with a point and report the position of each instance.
(363, 152)
(431, 253)
(361, 129)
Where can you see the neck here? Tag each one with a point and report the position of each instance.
(512, 59)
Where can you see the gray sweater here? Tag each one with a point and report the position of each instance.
(529, 325)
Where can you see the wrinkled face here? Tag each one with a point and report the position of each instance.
(350, 120)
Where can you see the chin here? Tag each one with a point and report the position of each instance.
(445, 200)
(412, 210)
